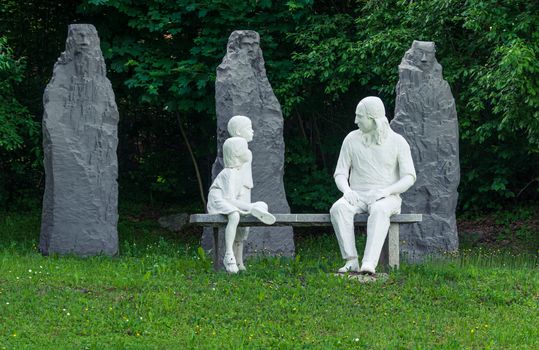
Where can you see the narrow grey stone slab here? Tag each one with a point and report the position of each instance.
(426, 116)
(80, 121)
(174, 222)
(242, 88)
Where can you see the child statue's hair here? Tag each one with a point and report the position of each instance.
(235, 152)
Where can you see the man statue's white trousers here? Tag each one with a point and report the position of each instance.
(342, 218)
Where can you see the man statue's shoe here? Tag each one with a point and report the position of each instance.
(260, 211)
(367, 269)
(350, 266)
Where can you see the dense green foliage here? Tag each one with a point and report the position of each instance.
(14, 117)
(161, 293)
(35, 31)
(18, 131)
(488, 51)
(166, 53)
(321, 58)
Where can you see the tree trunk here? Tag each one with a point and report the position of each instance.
(193, 159)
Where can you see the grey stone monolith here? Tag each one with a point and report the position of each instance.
(426, 116)
(80, 122)
(242, 88)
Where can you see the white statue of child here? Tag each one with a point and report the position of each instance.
(241, 126)
(227, 193)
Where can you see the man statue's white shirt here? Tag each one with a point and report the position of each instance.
(370, 166)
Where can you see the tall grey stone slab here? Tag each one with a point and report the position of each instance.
(242, 88)
(80, 121)
(426, 116)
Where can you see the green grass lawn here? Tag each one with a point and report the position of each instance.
(161, 293)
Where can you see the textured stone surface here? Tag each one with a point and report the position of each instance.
(79, 142)
(379, 277)
(425, 115)
(242, 88)
(174, 222)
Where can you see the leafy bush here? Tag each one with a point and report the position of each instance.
(18, 131)
(321, 58)
(489, 54)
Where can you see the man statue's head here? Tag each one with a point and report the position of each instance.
(371, 119)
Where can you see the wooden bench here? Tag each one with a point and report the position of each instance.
(390, 251)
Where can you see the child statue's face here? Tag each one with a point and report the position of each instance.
(247, 132)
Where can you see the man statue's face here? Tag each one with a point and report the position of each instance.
(365, 123)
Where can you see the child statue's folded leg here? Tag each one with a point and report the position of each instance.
(260, 211)
(230, 234)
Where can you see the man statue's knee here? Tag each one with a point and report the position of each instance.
(337, 208)
(380, 209)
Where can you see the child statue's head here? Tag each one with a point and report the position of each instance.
(235, 152)
(240, 126)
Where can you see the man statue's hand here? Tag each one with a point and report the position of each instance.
(352, 197)
(374, 195)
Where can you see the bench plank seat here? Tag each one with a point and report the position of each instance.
(306, 220)
(390, 251)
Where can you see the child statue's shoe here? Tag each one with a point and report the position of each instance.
(230, 263)
(260, 211)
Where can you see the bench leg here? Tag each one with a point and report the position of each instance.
(383, 262)
(216, 248)
(389, 257)
(393, 246)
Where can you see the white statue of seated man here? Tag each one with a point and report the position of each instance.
(230, 196)
(375, 166)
